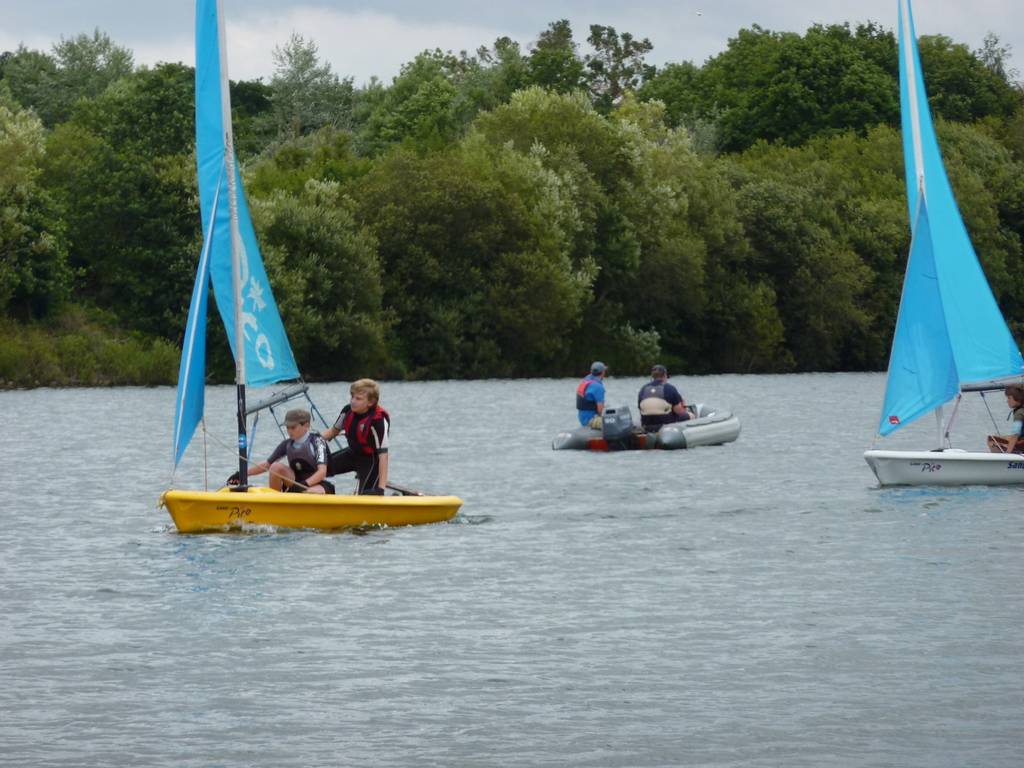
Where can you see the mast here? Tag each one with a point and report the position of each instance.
(237, 250)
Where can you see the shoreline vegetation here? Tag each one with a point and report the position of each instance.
(514, 212)
(74, 350)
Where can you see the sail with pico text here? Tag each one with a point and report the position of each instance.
(245, 301)
(949, 330)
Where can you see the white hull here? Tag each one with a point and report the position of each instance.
(950, 467)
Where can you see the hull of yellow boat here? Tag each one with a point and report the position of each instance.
(223, 510)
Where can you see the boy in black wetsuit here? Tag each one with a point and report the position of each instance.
(365, 426)
(307, 454)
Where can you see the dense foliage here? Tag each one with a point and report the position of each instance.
(513, 212)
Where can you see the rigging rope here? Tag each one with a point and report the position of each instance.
(985, 401)
(234, 453)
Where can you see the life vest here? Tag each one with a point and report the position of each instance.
(582, 404)
(363, 427)
(1017, 414)
(304, 459)
(652, 400)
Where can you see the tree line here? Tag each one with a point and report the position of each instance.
(511, 212)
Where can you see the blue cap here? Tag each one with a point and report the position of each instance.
(597, 367)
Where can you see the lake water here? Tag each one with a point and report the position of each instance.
(757, 604)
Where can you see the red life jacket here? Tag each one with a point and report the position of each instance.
(582, 404)
(363, 425)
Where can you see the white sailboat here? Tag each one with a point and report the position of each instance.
(950, 335)
(231, 261)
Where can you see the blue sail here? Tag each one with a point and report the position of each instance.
(922, 366)
(188, 411)
(268, 355)
(949, 330)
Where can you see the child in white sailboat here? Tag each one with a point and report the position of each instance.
(1014, 442)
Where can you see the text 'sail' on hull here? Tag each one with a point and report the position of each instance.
(949, 467)
(224, 510)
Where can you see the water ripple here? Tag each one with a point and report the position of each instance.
(759, 604)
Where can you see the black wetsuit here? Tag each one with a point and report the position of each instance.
(367, 437)
(304, 458)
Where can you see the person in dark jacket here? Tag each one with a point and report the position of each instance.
(660, 403)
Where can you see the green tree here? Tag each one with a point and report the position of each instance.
(31, 77)
(419, 109)
(989, 187)
(616, 65)
(252, 117)
(781, 86)
(827, 225)
(327, 155)
(676, 86)
(326, 277)
(489, 79)
(996, 58)
(961, 86)
(87, 65)
(123, 172)
(554, 62)
(306, 95)
(572, 133)
(595, 158)
(474, 246)
(81, 67)
(34, 278)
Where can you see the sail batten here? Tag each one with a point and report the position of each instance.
(949, 329)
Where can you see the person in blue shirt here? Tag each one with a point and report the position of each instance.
(660, 403)
(590, 396)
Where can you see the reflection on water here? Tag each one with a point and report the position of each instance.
(760, 603)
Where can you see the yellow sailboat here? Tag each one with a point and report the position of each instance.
(231, 261)
(199, 511)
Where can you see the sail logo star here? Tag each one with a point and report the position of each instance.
(894, 419)
(256, 295)
(261, 346)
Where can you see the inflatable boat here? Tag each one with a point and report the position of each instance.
(619, 433)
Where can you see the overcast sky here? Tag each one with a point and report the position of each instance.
(376, 38)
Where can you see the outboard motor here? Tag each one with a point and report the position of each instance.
(617, 427)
